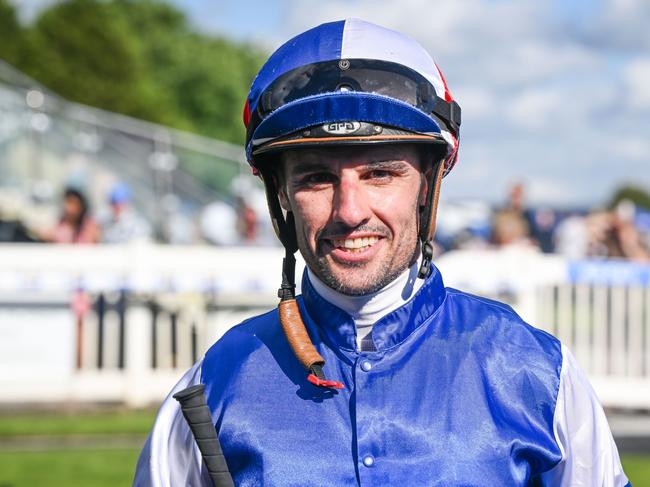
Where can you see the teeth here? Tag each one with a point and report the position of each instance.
(356, 244)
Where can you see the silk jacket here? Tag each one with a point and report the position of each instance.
(459, 392)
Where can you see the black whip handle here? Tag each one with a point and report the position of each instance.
(196, 413)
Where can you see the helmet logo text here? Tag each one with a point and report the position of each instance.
(341, 128)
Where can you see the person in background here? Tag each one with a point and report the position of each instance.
(571, 237)
(123, 225)
(246, 222)
(627, 239)
(511, 225)
(76, 225)
(218, 224)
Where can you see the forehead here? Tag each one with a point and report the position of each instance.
(336, 157)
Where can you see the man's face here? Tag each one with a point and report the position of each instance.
(355, 212)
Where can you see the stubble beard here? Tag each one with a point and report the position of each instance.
(388, 271)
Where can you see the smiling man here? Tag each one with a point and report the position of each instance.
(376, 374)
(355, 212)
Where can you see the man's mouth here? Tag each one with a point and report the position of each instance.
(354, 245)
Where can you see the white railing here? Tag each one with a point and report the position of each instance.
(599, 309)
(121, 323)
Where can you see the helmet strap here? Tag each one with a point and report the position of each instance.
(428, 219)
(288, 310)
(287, 289)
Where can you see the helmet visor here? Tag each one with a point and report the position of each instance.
(345, 75)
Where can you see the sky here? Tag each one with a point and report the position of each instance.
(555, 94)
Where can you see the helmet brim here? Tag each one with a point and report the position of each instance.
(315, 111)
(293, 143)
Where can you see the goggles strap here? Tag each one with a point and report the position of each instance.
(428, 219)
(449, 112)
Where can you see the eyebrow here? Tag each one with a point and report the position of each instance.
(307, 167)
(387, 165)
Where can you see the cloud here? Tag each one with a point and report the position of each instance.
(634, 148)
(535, 109)
(620, 24)
(636, 76)
(550, 190)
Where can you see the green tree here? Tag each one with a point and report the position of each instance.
(10, 33)
(636, 195)
(82, 51)
(140, 58)
(212, 84)
(205, 78)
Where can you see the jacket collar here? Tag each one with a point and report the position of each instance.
(338, 329)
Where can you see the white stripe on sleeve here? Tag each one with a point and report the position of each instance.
(170, 456)
(589, 454)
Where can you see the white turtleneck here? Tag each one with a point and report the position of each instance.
(366, 310)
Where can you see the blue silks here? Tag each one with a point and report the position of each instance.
(460, 391)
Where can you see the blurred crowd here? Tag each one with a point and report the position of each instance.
(75, 222)
(622, 231)
(79, 216)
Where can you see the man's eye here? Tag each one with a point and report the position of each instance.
(317, 178)
(379, 174)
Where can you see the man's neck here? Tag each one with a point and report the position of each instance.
(367, 309)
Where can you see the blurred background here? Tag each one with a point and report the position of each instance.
(132, 233)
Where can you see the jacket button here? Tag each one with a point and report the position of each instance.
(366, 366)
(368, 461)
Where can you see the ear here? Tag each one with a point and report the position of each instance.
(280, 184)
(282, 196)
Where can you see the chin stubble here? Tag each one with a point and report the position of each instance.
(386, 274)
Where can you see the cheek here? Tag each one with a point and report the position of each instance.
(397, 209)
(312, 211)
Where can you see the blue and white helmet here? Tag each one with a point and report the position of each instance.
(350, 82)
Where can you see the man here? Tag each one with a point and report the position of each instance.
(123, 225)
(376, 374)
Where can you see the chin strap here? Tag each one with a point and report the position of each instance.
(290, 319)
(428, 219)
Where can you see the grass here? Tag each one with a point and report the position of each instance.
(75, 423)
(37, 462)
(102, 466)
(637, 468)
(69, 468)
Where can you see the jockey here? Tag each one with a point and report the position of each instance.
(377, 374)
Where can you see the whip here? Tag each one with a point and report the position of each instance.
(196, 413)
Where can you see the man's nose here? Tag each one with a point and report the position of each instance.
(351, 205)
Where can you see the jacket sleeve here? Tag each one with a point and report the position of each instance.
(589, 454)
(170, 456)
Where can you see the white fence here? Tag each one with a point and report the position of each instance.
(121, 324)
(599, 309)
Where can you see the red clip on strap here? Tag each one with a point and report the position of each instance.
(332, 384)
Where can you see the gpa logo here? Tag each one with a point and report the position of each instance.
(341, 128)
